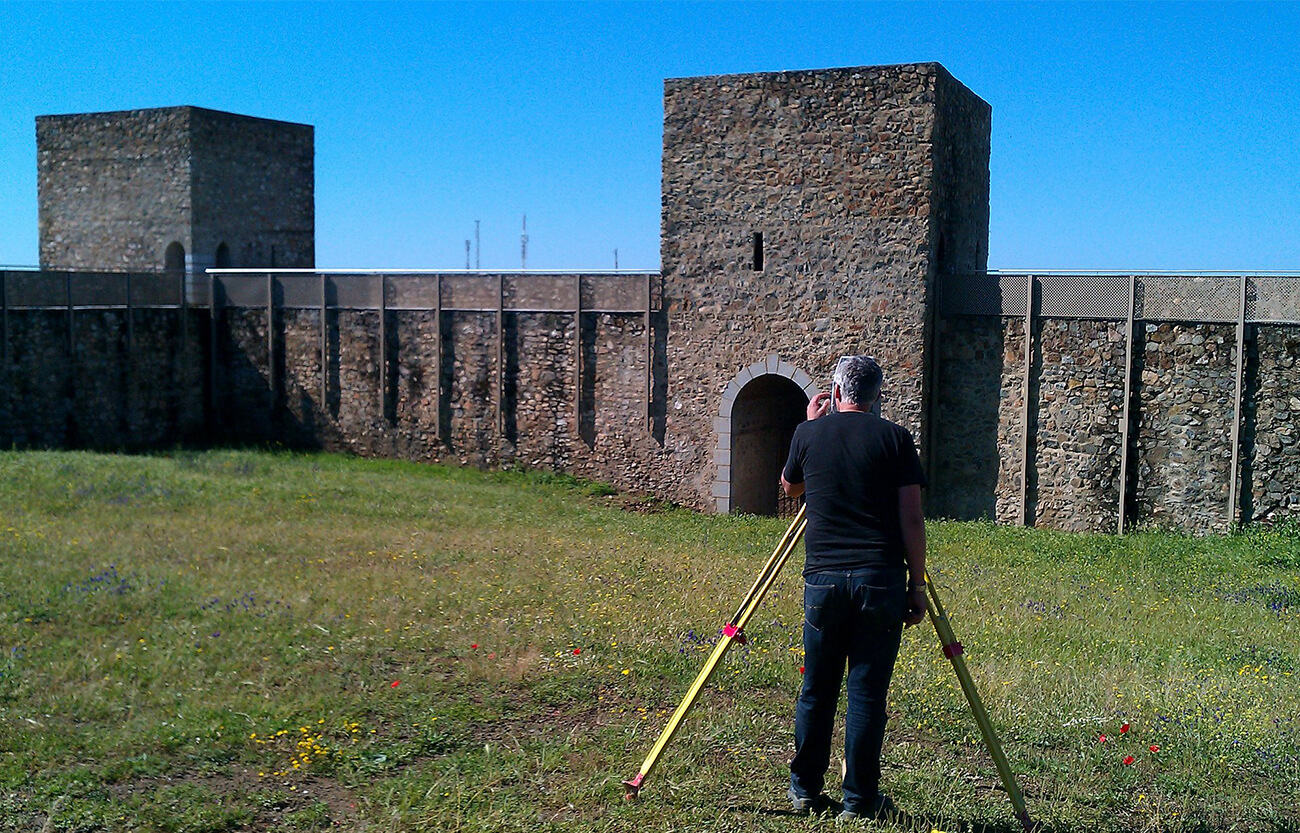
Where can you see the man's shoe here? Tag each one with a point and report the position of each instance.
(879, 810)
(805, 806)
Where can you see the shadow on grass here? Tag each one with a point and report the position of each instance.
(903, 820)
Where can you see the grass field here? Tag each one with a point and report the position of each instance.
(249, 641)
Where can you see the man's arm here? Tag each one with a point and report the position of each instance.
(912, 520)
(819, 406)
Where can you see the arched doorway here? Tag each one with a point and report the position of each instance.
(763, 420)
(222, 260)
(760, 409)
(174, 258)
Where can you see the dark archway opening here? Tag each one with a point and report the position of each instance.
(222, 260)
(763, 419)
(174, 258)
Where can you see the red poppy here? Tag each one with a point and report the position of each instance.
(1154, 748)
(577, 651)
(395, 684)
(1128, 760)
(801, 669)
(1123, 729)
(1101, 739)
(475, 645)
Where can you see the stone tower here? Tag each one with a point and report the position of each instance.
(806, 215)
(178, 188)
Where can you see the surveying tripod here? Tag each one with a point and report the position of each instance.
(733, 632)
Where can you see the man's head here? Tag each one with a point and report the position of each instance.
(857, 380)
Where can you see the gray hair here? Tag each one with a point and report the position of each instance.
(859, 379)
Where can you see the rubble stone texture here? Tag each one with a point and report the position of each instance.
(856, 179)
(116, 189)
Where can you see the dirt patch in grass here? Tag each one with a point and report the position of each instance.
(640, 504)
(310, 802)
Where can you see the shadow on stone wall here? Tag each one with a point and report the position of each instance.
(111, 383)
(967, 397)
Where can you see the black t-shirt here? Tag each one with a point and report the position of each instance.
(852, 465)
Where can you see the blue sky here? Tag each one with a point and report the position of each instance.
(1124, 136)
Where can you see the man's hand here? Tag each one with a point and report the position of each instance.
(915, 607)
(820, 406)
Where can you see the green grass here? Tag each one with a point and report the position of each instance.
(248, 641)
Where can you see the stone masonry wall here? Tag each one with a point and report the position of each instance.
(39, 378)
(836, 170)
(450, 415)
(978, 419)
(1180, 435)
(254, 190)
(1271, 431)
(116, 390)
(113, 188)
(1184, 439)
(1079, 398)
(148, 388)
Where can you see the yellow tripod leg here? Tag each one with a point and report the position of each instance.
(788, 540)
(730, 633)
(952, 649)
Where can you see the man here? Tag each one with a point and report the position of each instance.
(863, 579)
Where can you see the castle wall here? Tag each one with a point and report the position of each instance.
(805, 215)
(1181, 414)
(118, 379)
(1078, 391)
(1270, 479)
(149, 384)
(836, 169)
(1184, 437)
(113, 188)
(254, 190)
(978, 419)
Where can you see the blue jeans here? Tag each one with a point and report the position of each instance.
(856, 617)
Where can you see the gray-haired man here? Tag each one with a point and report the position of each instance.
(864, 578)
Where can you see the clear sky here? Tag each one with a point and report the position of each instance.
(1124, 136)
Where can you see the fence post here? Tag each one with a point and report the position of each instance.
(577, 354)
(129, 399)
(649, 360)
(324, 351)
(383, 350)
(1128, 396)
(4, 325)
(501, 330)
(270, 347)
(1236, 406)
(437, 360)
(4, 345)
(213, 363)
(1028, 379)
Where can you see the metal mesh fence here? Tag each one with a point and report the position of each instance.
(1271, 298)
(624, 292)
(25, 289)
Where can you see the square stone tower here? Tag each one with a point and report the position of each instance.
(806, 215)
(174, 188)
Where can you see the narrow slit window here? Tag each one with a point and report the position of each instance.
(758, 251)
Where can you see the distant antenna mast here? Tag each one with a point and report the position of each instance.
(466, 255)
(523, 245)
(616, 260)
(477, 249)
